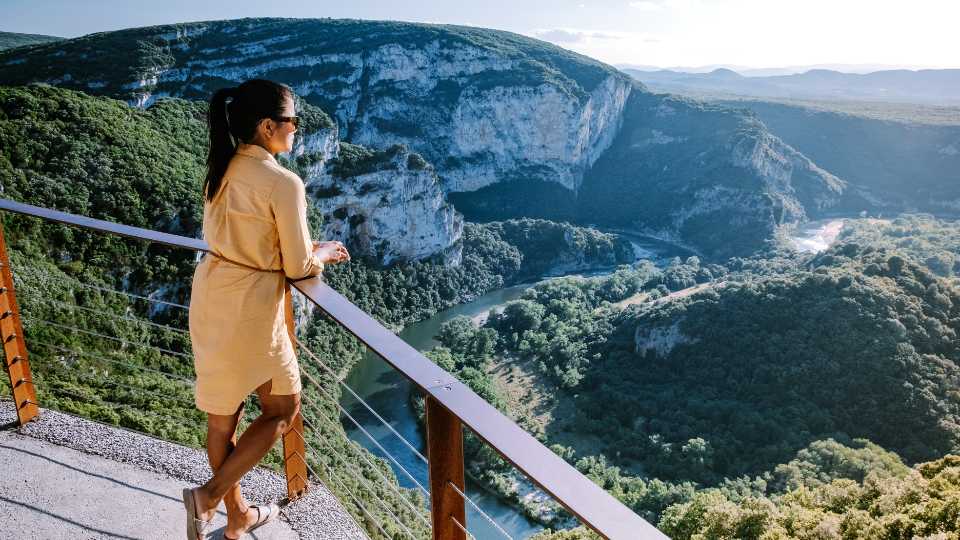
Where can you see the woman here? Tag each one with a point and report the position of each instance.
(254, 220)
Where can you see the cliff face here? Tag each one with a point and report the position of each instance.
(711, 176)
(512, 126)
(480, 104)
(895, 165)
(448, 104)
(387, 205)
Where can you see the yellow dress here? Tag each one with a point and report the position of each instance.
(237, 324)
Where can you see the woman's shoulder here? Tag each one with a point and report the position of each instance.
(285, 180)
(284, 174)
(277, 173)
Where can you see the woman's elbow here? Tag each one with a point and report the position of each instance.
(304, 271)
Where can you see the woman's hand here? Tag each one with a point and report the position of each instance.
(331, 251)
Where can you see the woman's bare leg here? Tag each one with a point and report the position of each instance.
(221, 441)
(276, 418)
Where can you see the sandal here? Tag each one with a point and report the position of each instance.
(263, 517)
(196, 527)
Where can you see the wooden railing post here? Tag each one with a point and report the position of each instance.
(294, 445)
(14, 347)
(445, 456)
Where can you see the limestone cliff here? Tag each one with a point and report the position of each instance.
(387, 205)
(480, 104)
(896, 165)
(512, 126)
(709, 175)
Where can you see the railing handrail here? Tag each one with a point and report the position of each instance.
(582, 497)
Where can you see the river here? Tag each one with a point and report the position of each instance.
(386, 390)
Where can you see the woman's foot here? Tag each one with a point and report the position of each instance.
(254, 517)
(198, 521)
(206, 508)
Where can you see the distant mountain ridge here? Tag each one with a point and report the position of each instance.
(9, 40)
(928, 86)
(748, 71)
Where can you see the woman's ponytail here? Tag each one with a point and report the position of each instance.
(236, 121)
(222, 146)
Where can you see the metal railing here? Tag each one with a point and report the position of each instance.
(450, 405)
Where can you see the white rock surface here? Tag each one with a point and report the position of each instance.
(397, 213)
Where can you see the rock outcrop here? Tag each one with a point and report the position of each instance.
(387, 205)
(892, 166)
(711, 176)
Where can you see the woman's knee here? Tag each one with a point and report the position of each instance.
(283, 409)
(224, 424)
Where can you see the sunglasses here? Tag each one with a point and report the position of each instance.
(294, 119)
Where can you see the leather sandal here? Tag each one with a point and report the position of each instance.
(196, 527)
(265, 514)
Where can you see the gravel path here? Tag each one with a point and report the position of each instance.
(318, 515)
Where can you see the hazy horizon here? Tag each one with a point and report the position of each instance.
(749, 34)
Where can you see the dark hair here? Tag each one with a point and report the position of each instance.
(252, 101)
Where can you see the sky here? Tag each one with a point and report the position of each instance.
(664, 33)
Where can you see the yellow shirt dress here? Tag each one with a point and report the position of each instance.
(237, 325)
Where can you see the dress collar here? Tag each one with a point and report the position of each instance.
(255, 151)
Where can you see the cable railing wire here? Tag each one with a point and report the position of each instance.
(358, 475)
(129, 387)
(362, 507)
(479, 511)
(372, 465)
(113, 404)
(368, 435)
(371, 437)
(379, 500)
(364, 403)
(376, 469)
(103, 289)
(105, 336)
(310, 378)
(461, 527)
(172, 376)
(115, 316)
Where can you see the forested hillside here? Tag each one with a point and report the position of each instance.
(9, 40)
(662, 396)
